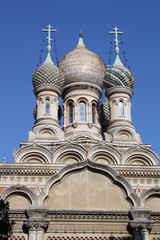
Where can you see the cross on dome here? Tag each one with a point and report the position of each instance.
(116, 32)
(49, 29)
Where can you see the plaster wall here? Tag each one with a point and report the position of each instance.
(86, 190)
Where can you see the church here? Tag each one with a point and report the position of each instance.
(91, 178)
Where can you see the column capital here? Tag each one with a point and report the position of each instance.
(37, 219)
(32, 225)
(140, 220)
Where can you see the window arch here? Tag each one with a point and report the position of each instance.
(121, 108)
(93, 113)
(82, 111)
(47, 110)
(70, 106)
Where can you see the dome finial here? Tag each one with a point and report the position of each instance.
(80, 42)
(49, 29)
(117, 60)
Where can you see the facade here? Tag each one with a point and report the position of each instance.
(93, 178)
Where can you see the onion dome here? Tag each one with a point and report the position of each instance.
(118, 74)
(48, 73)
(82, 66)
(104, 113)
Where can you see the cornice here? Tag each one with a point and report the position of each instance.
(50, 169)
(88, 215)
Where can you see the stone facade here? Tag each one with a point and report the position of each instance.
(75, 183)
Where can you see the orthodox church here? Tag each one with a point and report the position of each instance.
(92, 178)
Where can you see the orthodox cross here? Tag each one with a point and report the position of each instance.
(49, 30)
(116, 32)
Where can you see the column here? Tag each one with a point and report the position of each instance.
(32, 234)
(140, 225)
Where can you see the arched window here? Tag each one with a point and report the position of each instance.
(93, 112)
(47, 106)
(121, 108)
(70, 112)
(82, 112)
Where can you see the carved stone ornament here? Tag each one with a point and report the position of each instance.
(140, 220)
(90, 125)
(36, 224)
(74, 125)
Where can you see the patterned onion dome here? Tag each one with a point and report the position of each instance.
(82, 65)
(105, 111)
(118, 75)
(48, 73)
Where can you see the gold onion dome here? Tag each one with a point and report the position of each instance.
(48, 73)
(118, 74)
(82, 66)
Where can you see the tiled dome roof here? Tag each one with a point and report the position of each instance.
(118, 76)
(82, 66)
(48, 73)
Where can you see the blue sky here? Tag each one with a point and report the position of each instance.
(21, 38)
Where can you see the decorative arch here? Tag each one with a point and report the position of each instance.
(81, 137)
(70, 111)
(83, 110)
(124, 134)
(21, 191)
(94, 111)
(151, 198)
(47, 132)
(33, 154)
(104, 154)
(139, 156)
(95, 168)
(69, 153)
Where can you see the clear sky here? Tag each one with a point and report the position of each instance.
(21, 39)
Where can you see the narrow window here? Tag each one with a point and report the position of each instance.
(93, 113)
(47, 106)
(70, 112)
(82, 112)
(121, 108)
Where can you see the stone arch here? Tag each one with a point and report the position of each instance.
(79, 170)
(33, 154)
(19, 197)
(104, 154)
(151, 198)
(83, 137)
(47, 133)
(124, 134)
(69, 153)
(139, 156)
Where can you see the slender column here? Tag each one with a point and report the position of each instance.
(37, 223)
(89, 113)
(32, 234)
(140, 225)
(145, 234)
(40, 234)
(136, 235)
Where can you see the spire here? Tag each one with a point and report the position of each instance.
(49, 29)
(80, 42)
(117, 60)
